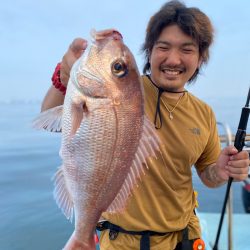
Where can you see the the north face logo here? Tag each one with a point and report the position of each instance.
(195, 131)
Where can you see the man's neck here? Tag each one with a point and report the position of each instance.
(174, 96)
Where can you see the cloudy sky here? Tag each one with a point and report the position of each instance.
(35, 34)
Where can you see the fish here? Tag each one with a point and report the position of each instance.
(106, 136)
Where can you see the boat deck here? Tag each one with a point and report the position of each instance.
(240, 228)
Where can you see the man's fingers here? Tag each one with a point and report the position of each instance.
(241, 155)
(238, 177)
(76, 49)
(240, 166)
(78, 46)
(229, 150)
(238, 169)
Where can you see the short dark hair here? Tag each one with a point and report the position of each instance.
(191, 21)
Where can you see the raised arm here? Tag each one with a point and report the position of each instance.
(54, 96)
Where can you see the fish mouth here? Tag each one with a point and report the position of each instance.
(104, 34)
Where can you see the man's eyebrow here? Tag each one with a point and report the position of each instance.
(162, 42)
(182, 45)
(189, 44)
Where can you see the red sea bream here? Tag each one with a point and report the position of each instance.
(106, 137)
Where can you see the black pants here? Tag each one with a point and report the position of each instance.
(187, 245)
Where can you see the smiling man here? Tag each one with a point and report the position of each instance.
(174, 59)
(160, 213)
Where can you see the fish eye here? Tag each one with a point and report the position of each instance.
(119, 68)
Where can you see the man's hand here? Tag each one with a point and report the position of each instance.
(75, 50)
(230, 163)
(54, 97)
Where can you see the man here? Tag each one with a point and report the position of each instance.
(162, 207)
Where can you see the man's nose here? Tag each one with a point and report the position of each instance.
(173, 57)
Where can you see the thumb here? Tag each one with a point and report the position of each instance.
(229, 150)
(75, 50)
(78, 46)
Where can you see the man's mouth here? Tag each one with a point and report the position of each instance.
(172, 71)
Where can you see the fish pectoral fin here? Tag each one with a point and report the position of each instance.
(79, 110)
(148, 146)
(62, 195)
(50, 120)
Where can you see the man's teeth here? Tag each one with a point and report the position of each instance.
(172, 72)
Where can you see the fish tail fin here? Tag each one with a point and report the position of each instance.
(75, 244)
(62, 195)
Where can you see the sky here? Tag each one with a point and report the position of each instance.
(34, 35)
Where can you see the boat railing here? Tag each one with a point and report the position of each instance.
(227, 138)
(224, 138)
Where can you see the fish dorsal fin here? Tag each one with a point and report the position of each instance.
(62, 195)
(148, 145)
(50, 120)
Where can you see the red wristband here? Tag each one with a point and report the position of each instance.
(56, 81)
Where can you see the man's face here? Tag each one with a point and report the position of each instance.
(174, 59)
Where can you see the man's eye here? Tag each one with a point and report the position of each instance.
(163, 48)
(187, 50)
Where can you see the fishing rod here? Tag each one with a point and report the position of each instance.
(239, 143)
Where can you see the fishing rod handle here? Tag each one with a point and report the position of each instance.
(244, 118)
(240, 136)
(239, 141)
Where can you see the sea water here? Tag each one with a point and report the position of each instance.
(29, 216)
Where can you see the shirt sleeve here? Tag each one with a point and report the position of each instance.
(213, 146)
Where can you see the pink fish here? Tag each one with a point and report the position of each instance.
(106, 137)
